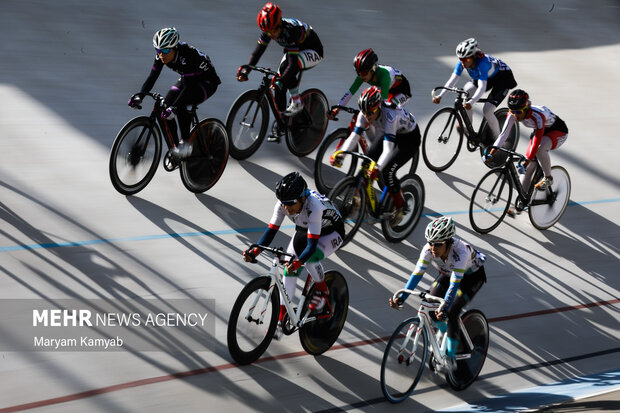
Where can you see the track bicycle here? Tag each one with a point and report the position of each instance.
(416, 338)
(248, 119)
(443, 136)
(326, 175)
(491, 198)
(136, 151)
(354, 195)
(254, 316)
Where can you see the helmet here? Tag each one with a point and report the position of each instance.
(269, 17)
(370, 99)
(467, 48)
(292, 187)
(518, 99)
(441, 229)
(365, 60)
(167, 38)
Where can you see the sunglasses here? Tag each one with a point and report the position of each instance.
(273, 31)
(466, 59)
(517, 111)
(163, 51)
(436, 244)
(372, 112)
(289, 203)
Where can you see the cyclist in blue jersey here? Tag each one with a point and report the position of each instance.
(488, 74)
(302, 51)
(461, 275)
(198, 82)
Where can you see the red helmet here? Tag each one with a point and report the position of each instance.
(269, 17)
(365, 60)
(370, 99)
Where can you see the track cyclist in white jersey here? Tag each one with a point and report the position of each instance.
(461, 274)
(487, 73)
(319, 231)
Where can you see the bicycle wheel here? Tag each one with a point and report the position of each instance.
(318, 336)
(307, 128)
(545, 215)
(442, 139)
(250, 329)
(403, 360)
(511, 142)
(469, 363)
(413, 193)
(327, 176)
(209, 156)
(134, 155)
(246, 124)
(350, 200)
(490, 200)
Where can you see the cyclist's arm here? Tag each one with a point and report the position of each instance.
(315, 220)
(508, 124)
(482, 88)
(263, 41)
(418, 272)
(274, 225)
(539, 122)
(361, 124)
(384, 82)
(454, 77)
(482, 69)
(389, 143)
(153, 75)
(455, 284)
(344, 101)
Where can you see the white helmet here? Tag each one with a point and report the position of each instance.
(167, 38)
(441, 229)
(467, 48)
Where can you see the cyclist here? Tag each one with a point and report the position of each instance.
(461, 274)
(395, 137)
(550, 132)
(393, 84)
(319, 231)
(487, 73)
(302, 51)
(198, 82)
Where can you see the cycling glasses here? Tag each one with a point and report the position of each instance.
(518, 111)
(372, 112)
(273, 31)
(163, 51)
(466, 59)
(289, 203)
(436, 244)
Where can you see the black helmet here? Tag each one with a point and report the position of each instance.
(518, 100)
(291, 187)
(365, 60)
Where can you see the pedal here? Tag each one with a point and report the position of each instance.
(169, 163)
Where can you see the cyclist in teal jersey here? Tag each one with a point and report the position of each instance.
(393, 84)
(488, 74)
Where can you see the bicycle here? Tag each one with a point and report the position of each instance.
(491, 198)
(407, 350)
(254, 316)
(137, 148)
(354, 194)
(326, 175)
(248, 119)
(443, 136)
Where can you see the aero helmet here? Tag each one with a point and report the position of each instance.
(365, 60)
(167, 38)
(467, 48)
(370, 99)
(518, 99)
(441, 229)
(292, 187)
(269, 17)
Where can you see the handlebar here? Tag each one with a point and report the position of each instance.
(345, 108)
(456, 90)
(278, 252)
(369, 164)
(424, 295)
(157, 97)
(512, 154)
(265, 70)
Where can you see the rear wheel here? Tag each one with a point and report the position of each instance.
(205, 166)
(413, 194)
(327, 176)
(442, 140)
(548, 206)
(307, 128)
(350, 200)
(490, 200)
(134, 155)
(246, 124)
(469, 362)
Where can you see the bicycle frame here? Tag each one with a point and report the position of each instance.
(458, 106)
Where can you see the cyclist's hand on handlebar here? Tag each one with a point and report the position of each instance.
(395, 304)
(331, 115)
(242, 73)
(436, 99)
(373, 173)
(275, 81)
(293, 265)
(250, 255)
(135, 102)
(336, 160)
(467, 105)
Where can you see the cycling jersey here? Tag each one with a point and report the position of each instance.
(391, 82)
(463, 259)
(295, 36)
(483, 69)
(542, 120)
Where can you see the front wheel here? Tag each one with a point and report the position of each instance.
(490, 200)
(134, 155)
(318, 336)
(469, 361)
(403, 360)
(253, 320)
(205, 166)
(548, 206)
(349, 198)
(307, 128)
(327, 176)
(442, 140)
(395, 228)
(246, 124)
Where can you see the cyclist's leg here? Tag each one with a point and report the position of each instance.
(171, 98)
(406, 145)
(499, 86)
(193, 93)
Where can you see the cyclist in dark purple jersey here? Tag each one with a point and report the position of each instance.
(198, 82)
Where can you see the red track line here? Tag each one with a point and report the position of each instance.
(227, 366)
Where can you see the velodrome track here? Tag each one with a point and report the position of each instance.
(68, 69)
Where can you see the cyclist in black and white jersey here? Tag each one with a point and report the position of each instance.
(319, 231)
(198, 82)
(302, 51)
(395, 138)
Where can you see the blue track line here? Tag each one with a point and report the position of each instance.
(23, 247)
